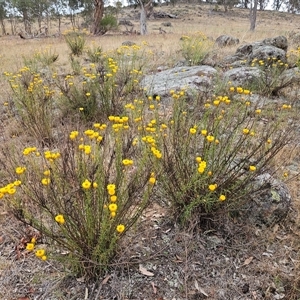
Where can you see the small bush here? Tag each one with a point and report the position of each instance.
(83, 196)
(269, 81)
(107, 23)
(209, 158)
(75, 41)
(195, 48)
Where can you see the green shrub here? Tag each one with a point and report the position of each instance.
(269, 82)
(75, 41)
(209, 158)
(83, 196)
(195, 48)
(107, 23)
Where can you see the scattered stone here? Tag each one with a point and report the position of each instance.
(243, 76)
(226, 40)
(128, 43)
(166, 24)
(196, 78)
(271, 205)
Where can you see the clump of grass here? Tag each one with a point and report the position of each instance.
(76, 41)
(41, 59)
(195, 48)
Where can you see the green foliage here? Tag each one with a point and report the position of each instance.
(269, 81)
(94, 54)
(107, 23)
(211, 156)
(41, 59)
(34, 105)
(75, 41)
(195, 48)
(84, 195)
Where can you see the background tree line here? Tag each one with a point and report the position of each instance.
(43, 12)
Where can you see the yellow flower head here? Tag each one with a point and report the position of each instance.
(222, 198)
(210, 138)
(246, 131)
(120, 228)
(252, 168)
(30, 246)
(86, 184)
(127, 162)
(152, 180)
(20, 170)
(40, 253)
(204, 132)
(112, 207)
(113, 198)
(46, 181)
(193, 130)
(212, 187)
(60, 219)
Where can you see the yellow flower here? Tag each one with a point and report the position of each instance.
(47, 173)
(113, 198)
(204, 132)
(44, 257)
(30, 246)
(152, 180)
(193, 130)
(198, 159)
(246, 131)
(95, 185)
(111, 187)
(222, 198)
(46, 181)
(246, 92)
(258, 111)
(60, 219)
(252, 168)
(127, 162)
(210, 138)
(86, 184)
(120, 228)
(20, 170)
(212, 187)
(113, 207)
(113, 214)
(40, 253)
(232, 89)
(33, 240)
(88, 94)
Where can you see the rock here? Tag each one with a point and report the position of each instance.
(128, 43)
(280, 42)
(265, 52)
(226, 40)
(262, 50)
(271, 205)
(242, 76)
(196, 77)
(167, 24)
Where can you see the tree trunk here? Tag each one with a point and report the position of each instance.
(98, 15)
(253, 12)
(143, 19)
